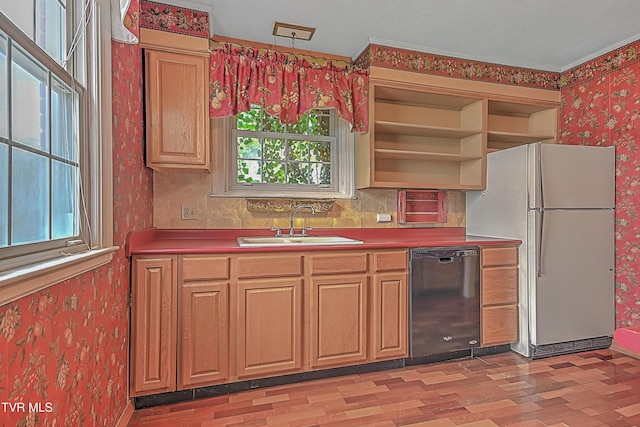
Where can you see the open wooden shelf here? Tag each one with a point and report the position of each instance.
(510, 124)
(382, 153)
(421, 130)
(427, 136)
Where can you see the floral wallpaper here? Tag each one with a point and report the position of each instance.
(164, 17)
(604, 109)
(408, 60)
(64, 350)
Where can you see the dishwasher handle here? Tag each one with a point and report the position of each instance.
(444, 255)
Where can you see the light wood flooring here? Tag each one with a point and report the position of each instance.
(595, 388)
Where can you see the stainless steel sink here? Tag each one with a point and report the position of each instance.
(259, 241)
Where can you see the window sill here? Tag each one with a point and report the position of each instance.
(20, 282)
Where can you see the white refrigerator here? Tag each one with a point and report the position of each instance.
(559, 200)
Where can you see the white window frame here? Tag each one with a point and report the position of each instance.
(38, 274)
(224, 155)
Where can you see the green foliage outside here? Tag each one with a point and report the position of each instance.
(290, 155)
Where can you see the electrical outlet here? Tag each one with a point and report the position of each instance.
(188, 212)
(383, 217)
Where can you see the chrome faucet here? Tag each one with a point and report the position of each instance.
(293, 214)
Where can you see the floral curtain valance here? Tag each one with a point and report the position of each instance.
(287, 87)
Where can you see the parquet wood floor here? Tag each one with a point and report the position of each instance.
(595, 388)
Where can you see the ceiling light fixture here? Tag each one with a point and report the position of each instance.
(292, 31)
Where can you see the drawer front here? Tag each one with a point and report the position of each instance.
(336, 263)
(500, 256)
(499, 285)
(205, 268)
(499, 325)
(256, 266)
(389, 261)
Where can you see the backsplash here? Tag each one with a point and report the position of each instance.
(172, 190)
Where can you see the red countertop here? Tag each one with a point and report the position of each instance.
(176, 241)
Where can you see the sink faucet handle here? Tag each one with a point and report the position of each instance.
(277, 230)
(305, 229)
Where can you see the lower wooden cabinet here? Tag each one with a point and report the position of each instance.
(338, 317)
(200, 320)
(389, 323)
(499, 295)
(153, 320)
(269, 327)
(203, 334)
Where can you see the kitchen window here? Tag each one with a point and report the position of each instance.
(312, 157)
(50, 204)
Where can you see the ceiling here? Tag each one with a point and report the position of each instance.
(549, 35)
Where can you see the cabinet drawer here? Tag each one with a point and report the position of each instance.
(389, 261)
(499, 285)
(500, 256)
(205, 268)
(255, 266)
(339, 263)
(499, 325)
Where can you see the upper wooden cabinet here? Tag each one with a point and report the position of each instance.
(177, 117)
(419, 138)
(434, 132)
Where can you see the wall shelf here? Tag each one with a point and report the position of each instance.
(431, 132)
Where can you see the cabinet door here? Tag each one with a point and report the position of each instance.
(389, 318)
(177, 110)
(269, 335)
(153, 326)
(338, 320)
(499, 325)
(499, 295)
(203, 335)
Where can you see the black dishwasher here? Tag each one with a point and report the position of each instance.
(444, 301)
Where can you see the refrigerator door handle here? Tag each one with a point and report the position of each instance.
(540, 184)
(540, 210)
(539, 243)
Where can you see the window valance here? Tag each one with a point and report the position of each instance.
(287, 86)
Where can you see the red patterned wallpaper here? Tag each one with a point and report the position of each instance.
(164, 17)
(604, 109)
(426, 63)
(65, 348)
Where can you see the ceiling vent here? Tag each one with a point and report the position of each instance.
(292, 31)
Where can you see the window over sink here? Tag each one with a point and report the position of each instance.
(312, 157)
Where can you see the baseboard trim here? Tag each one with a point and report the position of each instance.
(126, 415)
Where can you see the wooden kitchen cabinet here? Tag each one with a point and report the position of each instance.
(338, 321)
(388, 306)
(499, 295)
(269, 315)
(203, 321)
(177, 118)
(421, 139)
(433, 132)
(510, 124)
(338, 309)
(153, 325)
